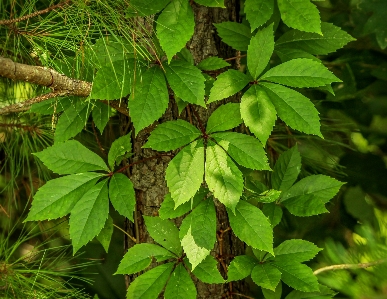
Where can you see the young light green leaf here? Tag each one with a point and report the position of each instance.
(207, 271)
(258, 112)
(332, 38)
(212, 64)
(151, 283)
(241, 267)
(118, 149)
(122, 195)
(184, 174)
(140, 256)
(287, 169)
(268, 196)
(258, 12)
(251, 226)
(105, 235)
(143, 8)
(234, 34)
(266, 276)
(297, 276)
(180, 285)
(101, 114)
(296, 110)
(175, 26)
(186, 81)
(273, 212)
(323, 293)
(301, 72)
(223, 177)
(301, 15)
(224, 118)
(164, 232)
(296, 250)
(211, 3)
(227, 84)
(260, 50)
(57, 197)
(309, 196)
(172, 135)
(149, 100)
(70, 157)
(244, 149)
(269, 294)
(287, 54)
(89, 215)
(195, 253)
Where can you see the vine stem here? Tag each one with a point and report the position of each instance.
(129, 236)
(350, 266)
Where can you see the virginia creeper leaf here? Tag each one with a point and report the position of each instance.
(122, 195)
(287, 54)
(268, 196)
(180, 285)
(212, 64)
(273, 212)
(105, 235)
(241, 267)
(296, 250)
(195, 253)
(266, 276)
(118, 149)
(258, 12)
(323, 293)
(207, 271)
(186, 55)
(180, 104)
(101, 114)
(234, 34)
(224, 118)
(269, 294)
(211, 3)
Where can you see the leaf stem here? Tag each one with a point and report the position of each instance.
(350, 266)
(236, 57)
(129, 236)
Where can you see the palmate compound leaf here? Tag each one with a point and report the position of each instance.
(57, 197)
(223, 177)
(300, 14)
(296, 110)
(185, 171)
(140, 257)
(175, 26)
(149, 100)
(234, 34)
(212, 64)
(241, 267)
(244, 149)
(251, 226)
(296, 250)
(207, 271)
(122, 195)
(118, 149)
(171, 135)
(266, 276)
(186, 81)
(180, 285)
(258, 12)
(195, 253)
(150, 284)
(301, 72)
(309, 196)
(227, 84)
(165, 233)
(70, 157)
(224, 118)
(258, 112)
(105, 235)
(286, 169)
(89, 215)
(260, 50)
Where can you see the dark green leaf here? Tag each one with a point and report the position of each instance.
(241, 267)
(258, 12)
(296, 250)
(323, 293)
(234, 34)
(269, 294)
(287, 54)
(212, 64)
(266, 276)
(207, 271)
(273, 212)
(118, 149)
(106, 233)
(224, 118)
(180, 285)
(101, 114)
(186, 55)
(122, 195)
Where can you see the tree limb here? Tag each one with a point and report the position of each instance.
(350, 266)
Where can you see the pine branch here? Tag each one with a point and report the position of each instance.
(350, 266)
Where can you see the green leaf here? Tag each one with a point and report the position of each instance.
(300, 14)
(286, 169)
(186, 81)
(296, 250)
(241, 267)
(269, 294)
(251, 226)
(106, 233)
(269, 196)
(140, 257)
(260, 50)
(175, 27)
(332, 38)
(89, 215)
(106, 51)
(70, 157)
(118, 149)
(224, 118)
(234, 34)
(164, 232)
(207, 271)
(195, 253)
(309, 196)
(57, 197)
(297, 276)
(244, 149)
(266, 276)
(211, 3)
(301, 72)
(186, 55)
(52, 106)
(258, 12)
(113, 81)
(151, 283)
(223, 177)
(273, 212)
(143, 8)
(377, 21)
(180, 285)
(172, 135)
(323, 293)
(122, 195)
(149, 100)
(101, 114)
(72, 121)
(296, 110)
(212, 64)
(227, 84)
(287, 54)
(258, 112)
(184, 174)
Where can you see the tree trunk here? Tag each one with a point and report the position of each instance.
(149, 177)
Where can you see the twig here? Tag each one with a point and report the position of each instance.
(5, 212)
(236, 57)
(350, 266)
(129, 236)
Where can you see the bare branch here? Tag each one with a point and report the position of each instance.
(350, 266)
